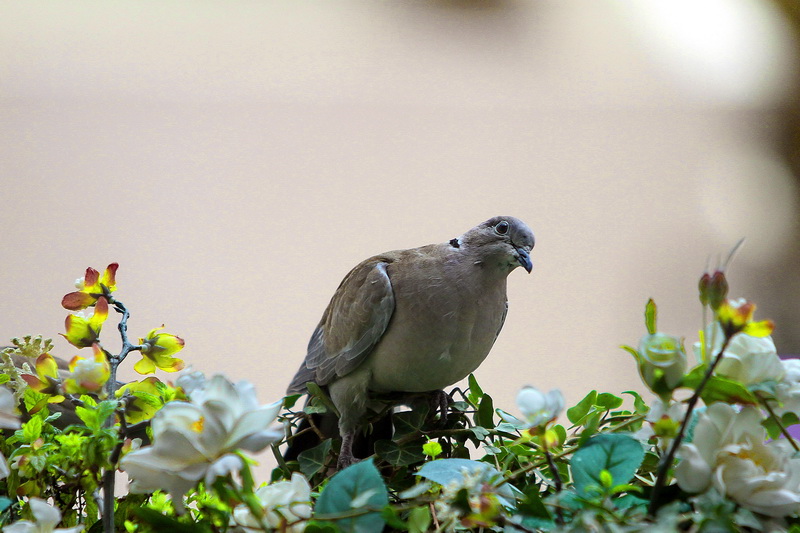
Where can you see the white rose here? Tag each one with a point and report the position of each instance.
(46, 519)
(195, 440)
(788, 389)
(728, 452)
(286, 504)
(747, 359)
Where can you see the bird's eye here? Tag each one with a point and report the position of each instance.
(501, 228)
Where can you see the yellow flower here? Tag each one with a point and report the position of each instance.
(82, 331)
(145, 398)
(91, 287)
(157, 349)
(88, 375)
(736, 316)
(46, 380)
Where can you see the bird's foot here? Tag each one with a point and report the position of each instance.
(440, 402)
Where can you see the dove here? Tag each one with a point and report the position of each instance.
(416, 320)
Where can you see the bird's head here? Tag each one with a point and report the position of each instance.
(506, 240)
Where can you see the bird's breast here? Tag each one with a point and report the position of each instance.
(436, 336)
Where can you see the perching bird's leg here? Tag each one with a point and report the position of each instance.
(346, 457)
(349, 395)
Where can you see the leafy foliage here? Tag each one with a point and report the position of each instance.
(611, 465)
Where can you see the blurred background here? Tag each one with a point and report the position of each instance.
(238, 158)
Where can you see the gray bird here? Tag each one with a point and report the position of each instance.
(413, 320)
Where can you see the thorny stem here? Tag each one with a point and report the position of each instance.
(666, 461)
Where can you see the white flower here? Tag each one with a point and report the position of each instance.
(728, 452)
(8, 416)
(191, 381)
(537, 407)
(192, 441)
(286, 503)
(788, 389)
(46, 519)
(747, 359)
(8, 420)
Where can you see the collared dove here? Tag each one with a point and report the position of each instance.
(413, 320)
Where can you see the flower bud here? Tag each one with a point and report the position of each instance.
(662, 362)
(713, 289)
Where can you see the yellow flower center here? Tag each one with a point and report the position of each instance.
(197, 426)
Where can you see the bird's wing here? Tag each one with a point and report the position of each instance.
(353, 323)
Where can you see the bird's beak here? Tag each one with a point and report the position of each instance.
(524, 259)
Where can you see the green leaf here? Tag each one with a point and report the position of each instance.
(88, 416)
(561, 432)
(5, 503)
(392, 519)
(105, 409)
(607, 400)
(639, 405)
(774, 429)
(32, 429)
(321, 527)
(419, 519)
(621, 455)
(719, 389)
(650, 313)
(590, 426)
(581, 409)
(290, 400)
(409, 422)
(693, 378)
(358, 486)
(630, 500)
(479, 432)
(400, 454)
(4, 378)
(532, 504)
(313, 460)
(320, 395)
(485, 412)
(160, 522)
(475, 390)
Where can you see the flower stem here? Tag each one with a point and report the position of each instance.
(777, 420)
(556, 479)
(666, 461)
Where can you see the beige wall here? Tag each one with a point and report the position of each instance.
(237, 158)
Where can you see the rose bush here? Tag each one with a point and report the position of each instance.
(712, 451)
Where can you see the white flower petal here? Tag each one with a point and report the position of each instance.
(693, 473)
(227, 464)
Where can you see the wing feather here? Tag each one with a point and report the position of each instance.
(353, 323)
